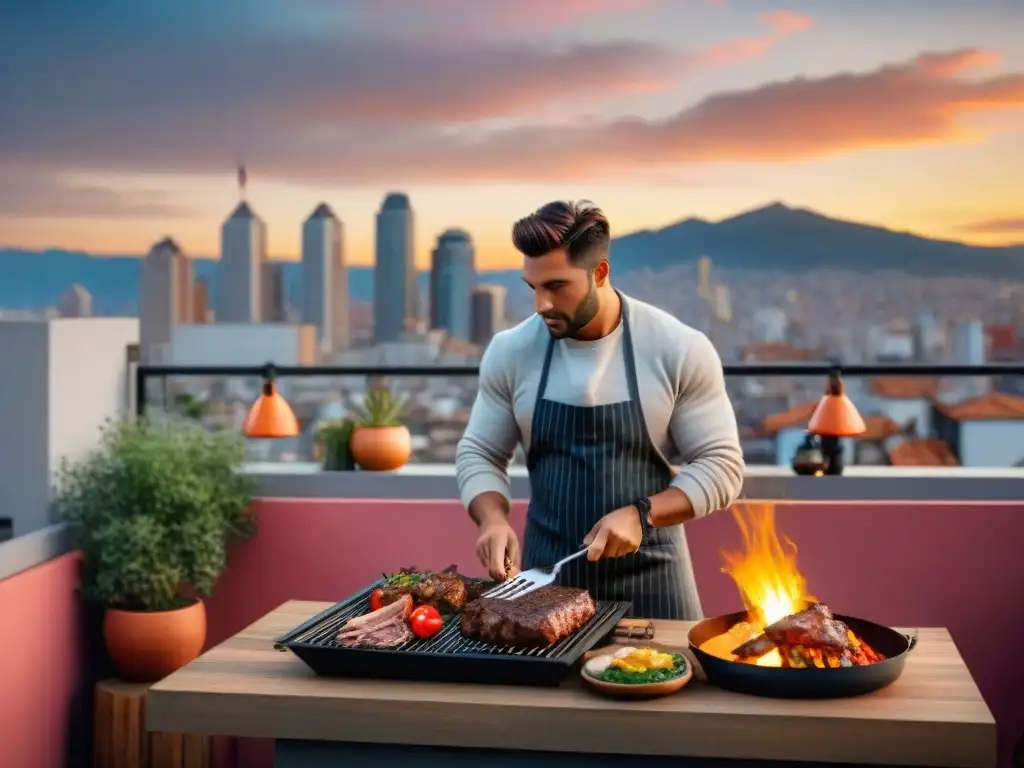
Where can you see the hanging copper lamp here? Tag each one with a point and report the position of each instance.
(270, 416)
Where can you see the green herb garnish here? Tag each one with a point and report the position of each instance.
(625, 677)
(407, 577)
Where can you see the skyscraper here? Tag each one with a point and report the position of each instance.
(704, 278)
(324, 302)
(243, 251)
(394, 275)
(201, 301)
(164, 297)
(488, 312)
(452, 278)
(274, 294)
(76, 301)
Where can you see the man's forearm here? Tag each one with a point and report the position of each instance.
(670, 507)
(489, 507)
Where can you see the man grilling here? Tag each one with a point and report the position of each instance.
(602, 391)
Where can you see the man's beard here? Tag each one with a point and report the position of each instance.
(586, 310)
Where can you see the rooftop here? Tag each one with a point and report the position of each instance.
(922, 453)
(396, 201)
(322, 211)
(994, 406)
(909, 388)
(243, 211)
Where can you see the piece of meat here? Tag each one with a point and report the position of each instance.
(476, 587)
(814, 627)
(391, 633)
(445, 591)
(540, 618)
(754, 648)
(401, 608)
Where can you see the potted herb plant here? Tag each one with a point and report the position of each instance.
(380, 441)
(334, 437)
(152, 510)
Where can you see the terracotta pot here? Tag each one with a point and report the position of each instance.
(381, 448)
(147, 646)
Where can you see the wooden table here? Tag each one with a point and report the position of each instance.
(933, 715)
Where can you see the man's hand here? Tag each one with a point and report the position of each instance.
(617, 534)
(498, 549)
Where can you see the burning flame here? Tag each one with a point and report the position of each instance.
(765, 572)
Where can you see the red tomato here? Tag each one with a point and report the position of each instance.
(425, 621)
(375, 599)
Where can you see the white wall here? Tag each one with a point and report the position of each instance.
(237, 344)
(70, 376)
(991, 443)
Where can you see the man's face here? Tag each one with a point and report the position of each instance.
(563, 294)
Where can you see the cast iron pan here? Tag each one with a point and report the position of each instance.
(781, 683)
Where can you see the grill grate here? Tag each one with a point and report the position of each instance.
(446, 656)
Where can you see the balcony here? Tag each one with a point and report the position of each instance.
(910, 546)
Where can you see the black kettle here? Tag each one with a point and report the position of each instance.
(809, 459)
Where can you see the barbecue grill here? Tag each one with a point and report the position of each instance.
(446, 657)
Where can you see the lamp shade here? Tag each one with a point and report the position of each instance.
(836, 415)
(271, 416)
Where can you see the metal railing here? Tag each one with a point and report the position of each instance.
(143, 373)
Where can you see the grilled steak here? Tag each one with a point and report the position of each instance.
(476, 587)
(814, 627)
(540, 618)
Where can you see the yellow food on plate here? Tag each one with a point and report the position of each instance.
(640, 660)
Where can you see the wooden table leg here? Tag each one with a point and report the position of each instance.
(121, 738)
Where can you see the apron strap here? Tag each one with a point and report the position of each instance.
(627, 352)
(543, 384)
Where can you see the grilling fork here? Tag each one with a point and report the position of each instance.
(533, 579)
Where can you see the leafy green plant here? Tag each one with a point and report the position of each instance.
(189, 406)
(153, 508)
(334, 436)
(381, 408)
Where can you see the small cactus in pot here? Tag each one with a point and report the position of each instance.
(381, 442)
(334, 437)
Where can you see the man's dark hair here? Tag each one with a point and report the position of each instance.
(580, 227)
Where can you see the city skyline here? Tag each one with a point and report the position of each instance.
(480, 118)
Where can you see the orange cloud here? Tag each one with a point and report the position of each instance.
(27, 195)
(781, 23)
(390, 133)
(1011, 226)
(921, 101)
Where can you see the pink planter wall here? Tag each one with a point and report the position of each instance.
(39, 663)
(953, 565)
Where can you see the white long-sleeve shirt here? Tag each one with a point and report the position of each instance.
(682, 392)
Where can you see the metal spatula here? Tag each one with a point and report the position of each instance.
(528, 581)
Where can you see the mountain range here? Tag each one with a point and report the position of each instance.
(775, 237)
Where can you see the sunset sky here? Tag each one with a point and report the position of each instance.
(124, 120)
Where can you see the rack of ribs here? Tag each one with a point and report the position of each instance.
(539, 618)
(814, 627)
(383, 628)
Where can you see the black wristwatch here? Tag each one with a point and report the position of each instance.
(643, 506)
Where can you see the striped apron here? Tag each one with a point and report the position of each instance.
(586, 461)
